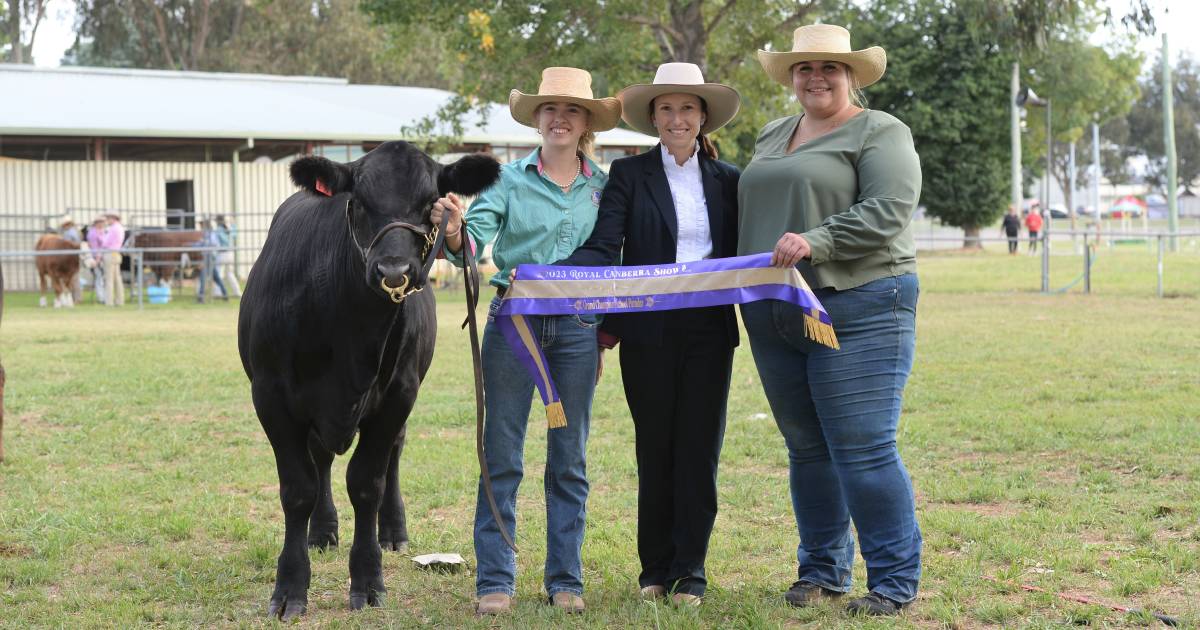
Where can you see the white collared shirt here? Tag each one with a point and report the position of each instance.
(694, 241)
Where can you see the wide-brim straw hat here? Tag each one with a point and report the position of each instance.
(66, 219)
(565, 85)
(678, 78)
(824, 42)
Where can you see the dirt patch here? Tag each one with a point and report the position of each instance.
(13, 550)
(1003, 508)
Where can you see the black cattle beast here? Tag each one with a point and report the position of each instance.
(336, 335)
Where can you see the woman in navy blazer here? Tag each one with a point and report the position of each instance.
(673, 203)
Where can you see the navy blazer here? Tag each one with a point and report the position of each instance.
(636, 225)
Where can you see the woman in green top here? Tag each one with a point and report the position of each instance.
(541, 209)
(832, 191)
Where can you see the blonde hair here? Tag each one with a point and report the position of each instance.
(587, 142)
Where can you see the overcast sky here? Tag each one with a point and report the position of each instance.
(1173, 17)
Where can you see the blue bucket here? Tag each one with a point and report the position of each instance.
(158, 294)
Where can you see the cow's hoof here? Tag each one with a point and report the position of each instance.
(399, 546)
(322, 540)
(393, 539)
(287, 608)
(372, 598)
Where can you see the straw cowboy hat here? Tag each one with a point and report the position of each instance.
(66, 219)
(673, 78)
(824, 42)
(568, 85)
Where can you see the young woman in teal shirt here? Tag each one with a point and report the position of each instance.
(541, 209)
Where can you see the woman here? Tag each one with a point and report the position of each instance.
(832, 191)
(226, 233)
(540, 210)
(673, 203)
(209, 239)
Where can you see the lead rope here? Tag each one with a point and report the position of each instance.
(471, 286)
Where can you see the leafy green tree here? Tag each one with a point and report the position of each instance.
(294, 37)
(1085, 83)
(505, 45)
(948, 80)
(1146, 124)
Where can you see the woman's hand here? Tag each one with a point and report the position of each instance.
(453, 205)
(791, 249)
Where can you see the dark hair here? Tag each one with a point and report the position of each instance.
(706, 145)
(221, 220)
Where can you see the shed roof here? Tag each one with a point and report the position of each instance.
(79, 101)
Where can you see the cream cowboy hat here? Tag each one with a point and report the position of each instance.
(673, 78)
(824, 42)
(569, 85)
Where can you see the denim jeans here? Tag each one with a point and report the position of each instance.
(210, 268)
(838, 411)
(569, 343)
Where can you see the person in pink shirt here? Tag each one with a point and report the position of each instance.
(114, 238)
(95, 236)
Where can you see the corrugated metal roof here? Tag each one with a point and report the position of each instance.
(77, 101)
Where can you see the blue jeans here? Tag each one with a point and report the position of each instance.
(838, 411)
(569, 343)
(210, 268)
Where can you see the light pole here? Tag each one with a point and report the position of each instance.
(1028, 98)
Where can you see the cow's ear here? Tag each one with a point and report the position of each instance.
(470, 175)
(321, 176)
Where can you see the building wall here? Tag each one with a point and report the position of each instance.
(33, 195)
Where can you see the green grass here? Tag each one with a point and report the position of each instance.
(1052, 440)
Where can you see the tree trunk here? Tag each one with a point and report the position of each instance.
(691, 37)
(14, 31)
(971, 237)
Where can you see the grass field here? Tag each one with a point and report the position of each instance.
(1052, 440)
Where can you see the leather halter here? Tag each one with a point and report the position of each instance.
(434, 237)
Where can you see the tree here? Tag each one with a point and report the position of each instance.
(620, 42)
(951, 89)
(1085, 83)
(21, 18)
(1145, 122)
(296, 37)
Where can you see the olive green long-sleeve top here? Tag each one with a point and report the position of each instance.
(851, 193)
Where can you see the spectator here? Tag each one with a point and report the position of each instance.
(1033, 222)
(70, 232)
(114, 239)
(1012, 229)
(209, 240)
(226, 234)
(95, 241)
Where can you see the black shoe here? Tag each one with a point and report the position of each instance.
(804, 593)
(874, 605)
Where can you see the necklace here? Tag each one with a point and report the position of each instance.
(578, 170)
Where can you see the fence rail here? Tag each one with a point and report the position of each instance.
(1085, 240)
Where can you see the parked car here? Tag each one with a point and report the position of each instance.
(1058, 211)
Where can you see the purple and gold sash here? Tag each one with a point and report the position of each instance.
(551, 290)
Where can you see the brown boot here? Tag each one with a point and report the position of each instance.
(493, 604)
(654, 591)
(567, 602)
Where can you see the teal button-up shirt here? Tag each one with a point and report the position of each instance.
(531, 219)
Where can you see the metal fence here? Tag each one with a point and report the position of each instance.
(137, 268)
(19, 233)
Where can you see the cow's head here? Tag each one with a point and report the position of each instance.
(391, 192)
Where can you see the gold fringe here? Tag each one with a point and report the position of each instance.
(556, 418)
(820, 332)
